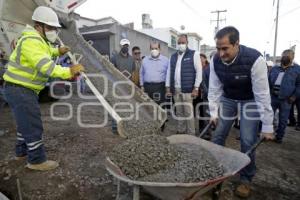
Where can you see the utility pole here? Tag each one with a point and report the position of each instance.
(218, 20)
(276, 32)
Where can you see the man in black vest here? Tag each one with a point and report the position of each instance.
(183, 80)
(239, 80)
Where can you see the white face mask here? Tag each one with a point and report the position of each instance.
(154, 53)
(182, 47)
(51, 36)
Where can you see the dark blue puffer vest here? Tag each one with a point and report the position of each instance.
(188, 72)
(236, 78)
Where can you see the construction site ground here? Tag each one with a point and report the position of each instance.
(81, 153)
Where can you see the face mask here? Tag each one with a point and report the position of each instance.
(182, 47)
(154, 53)
(51, 36)
(124, 50)
(285, 61)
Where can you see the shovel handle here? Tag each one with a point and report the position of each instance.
(255, 146)
(205, 129)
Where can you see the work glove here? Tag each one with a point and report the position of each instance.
(76, 69)
(64, 49)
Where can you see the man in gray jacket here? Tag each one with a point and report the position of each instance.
(124, 62)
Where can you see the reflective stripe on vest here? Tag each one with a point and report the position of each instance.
(23, 79)
(28, 70)
(20, 67)
(19, 48)
(41, 63)
(39, 66)
(50, 69)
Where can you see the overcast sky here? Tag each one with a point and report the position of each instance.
(253, 18)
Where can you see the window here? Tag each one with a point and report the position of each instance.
(173, 41)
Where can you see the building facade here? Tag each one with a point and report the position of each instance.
(105, 35)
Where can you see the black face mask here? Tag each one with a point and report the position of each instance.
(124, 50)
(285, 60)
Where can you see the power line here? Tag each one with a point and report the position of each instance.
(196, 12)
(290, 11)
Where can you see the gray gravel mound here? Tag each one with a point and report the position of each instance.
(142, 127)
(152, 158)
(142, 156)
(196, 165)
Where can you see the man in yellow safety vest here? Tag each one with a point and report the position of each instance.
(29, 68)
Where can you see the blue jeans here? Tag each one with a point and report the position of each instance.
(284, 112)
(249, 123)
(2, 99)
(2, 104)
(25, 106)
(114, 126)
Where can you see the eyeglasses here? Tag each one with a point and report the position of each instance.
(137, 53)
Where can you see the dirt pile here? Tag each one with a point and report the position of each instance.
(153, 158)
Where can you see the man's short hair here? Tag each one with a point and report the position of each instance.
(232, 32)
(183, 35)
(288, 52)
(155, 42)
(135, 48)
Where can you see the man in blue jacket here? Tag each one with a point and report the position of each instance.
(238, 81)
(285, 88)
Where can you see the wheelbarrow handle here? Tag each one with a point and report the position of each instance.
(255, 146)
(205, 129)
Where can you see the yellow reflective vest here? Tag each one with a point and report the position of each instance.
(30, 64)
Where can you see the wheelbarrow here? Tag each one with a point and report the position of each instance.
(232, 161)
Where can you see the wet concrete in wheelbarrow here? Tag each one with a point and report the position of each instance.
(152, 158)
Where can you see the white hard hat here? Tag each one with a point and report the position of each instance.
(124, 41)
(45, 15)
(270, 63)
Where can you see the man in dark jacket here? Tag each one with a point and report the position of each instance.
(238, 81)
(184, 76)
(285, 88)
